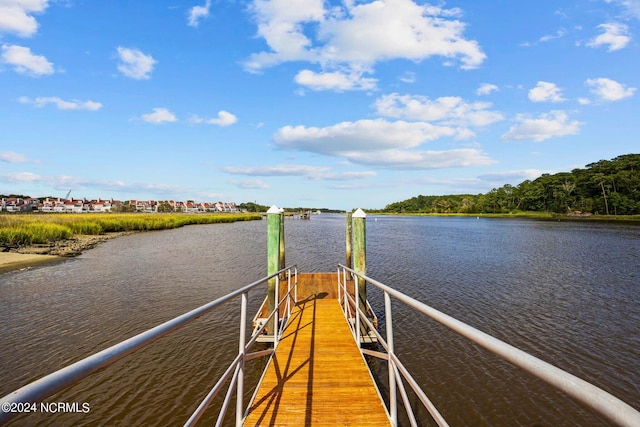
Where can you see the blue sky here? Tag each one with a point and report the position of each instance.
(336, 104)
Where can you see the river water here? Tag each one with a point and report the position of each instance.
(566, 292)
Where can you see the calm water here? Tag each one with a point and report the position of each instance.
(565, 292)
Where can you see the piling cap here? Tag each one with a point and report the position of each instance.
(273, 210)
(359, 213)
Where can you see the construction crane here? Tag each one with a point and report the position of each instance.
(67, 197)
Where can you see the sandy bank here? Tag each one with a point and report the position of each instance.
(10, 261)
(20, 257)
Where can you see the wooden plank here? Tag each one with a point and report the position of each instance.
(317, 376)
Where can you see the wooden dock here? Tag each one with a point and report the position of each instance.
(317, 376)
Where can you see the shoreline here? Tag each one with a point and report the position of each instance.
(22, 257)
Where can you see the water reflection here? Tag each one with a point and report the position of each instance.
(566, 292)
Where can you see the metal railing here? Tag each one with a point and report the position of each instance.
(607, 405)
(55, 382)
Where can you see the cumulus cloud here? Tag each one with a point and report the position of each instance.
(62, 104)
(609, 90)
(337, 80)
(25, 62)
(546, 92)
(347, 138)
(356, 35)
(159, 115)
(196, 13)
(549, 125)
(417, 160)
(449, 110)
(614, 35)
(135, 64)
(224, 119)
(16, 16)
(486, 89)
(11, 157)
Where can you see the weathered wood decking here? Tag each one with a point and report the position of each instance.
(317, 376)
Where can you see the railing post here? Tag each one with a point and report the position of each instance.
(393, 404)
(276, 315)
(273, 261)
(241, 350)
(282, 261)
(360, 255)
(349, 239)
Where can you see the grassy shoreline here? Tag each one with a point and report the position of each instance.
(529, 215)
(22, 230)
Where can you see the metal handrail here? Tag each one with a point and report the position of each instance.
(37, 391)
(607, 405)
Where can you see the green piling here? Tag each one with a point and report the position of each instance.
(273, 258)
(349, 253)
(360, 253)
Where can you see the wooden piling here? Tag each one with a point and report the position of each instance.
(360, 253)
(273, 258)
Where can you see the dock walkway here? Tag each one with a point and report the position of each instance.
(317, 375)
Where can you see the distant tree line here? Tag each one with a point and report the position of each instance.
(606, 187)
(252, 207)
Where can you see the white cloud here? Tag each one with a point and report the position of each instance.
(632, 6)
(486, 89)
(356, 35)
(11, 157)
(559, 34)
(25, 62)
(159, 115)
(196, 13)
(224, 119)
(64, 182)
(391, 29)
(614, 35)
(278, 170)
(417, 160)
(450, 110)
(310, 172)
(134, 63)
(516, 176)
(349, 138)
(546, 92)
(338, 81)
(251, 184)
(20, 177)
(550, 125)
(408, 77)
(62, 104)
(16, 16)
(609, 90)
(380, 143)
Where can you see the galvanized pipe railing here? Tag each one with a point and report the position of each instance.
(243, 356)
(39, 390)
(607, 405)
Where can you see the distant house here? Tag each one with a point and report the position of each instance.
(100, 206)
(60, 205)
(18, 204)
(74, 206)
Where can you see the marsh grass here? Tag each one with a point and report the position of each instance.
(29, 229)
